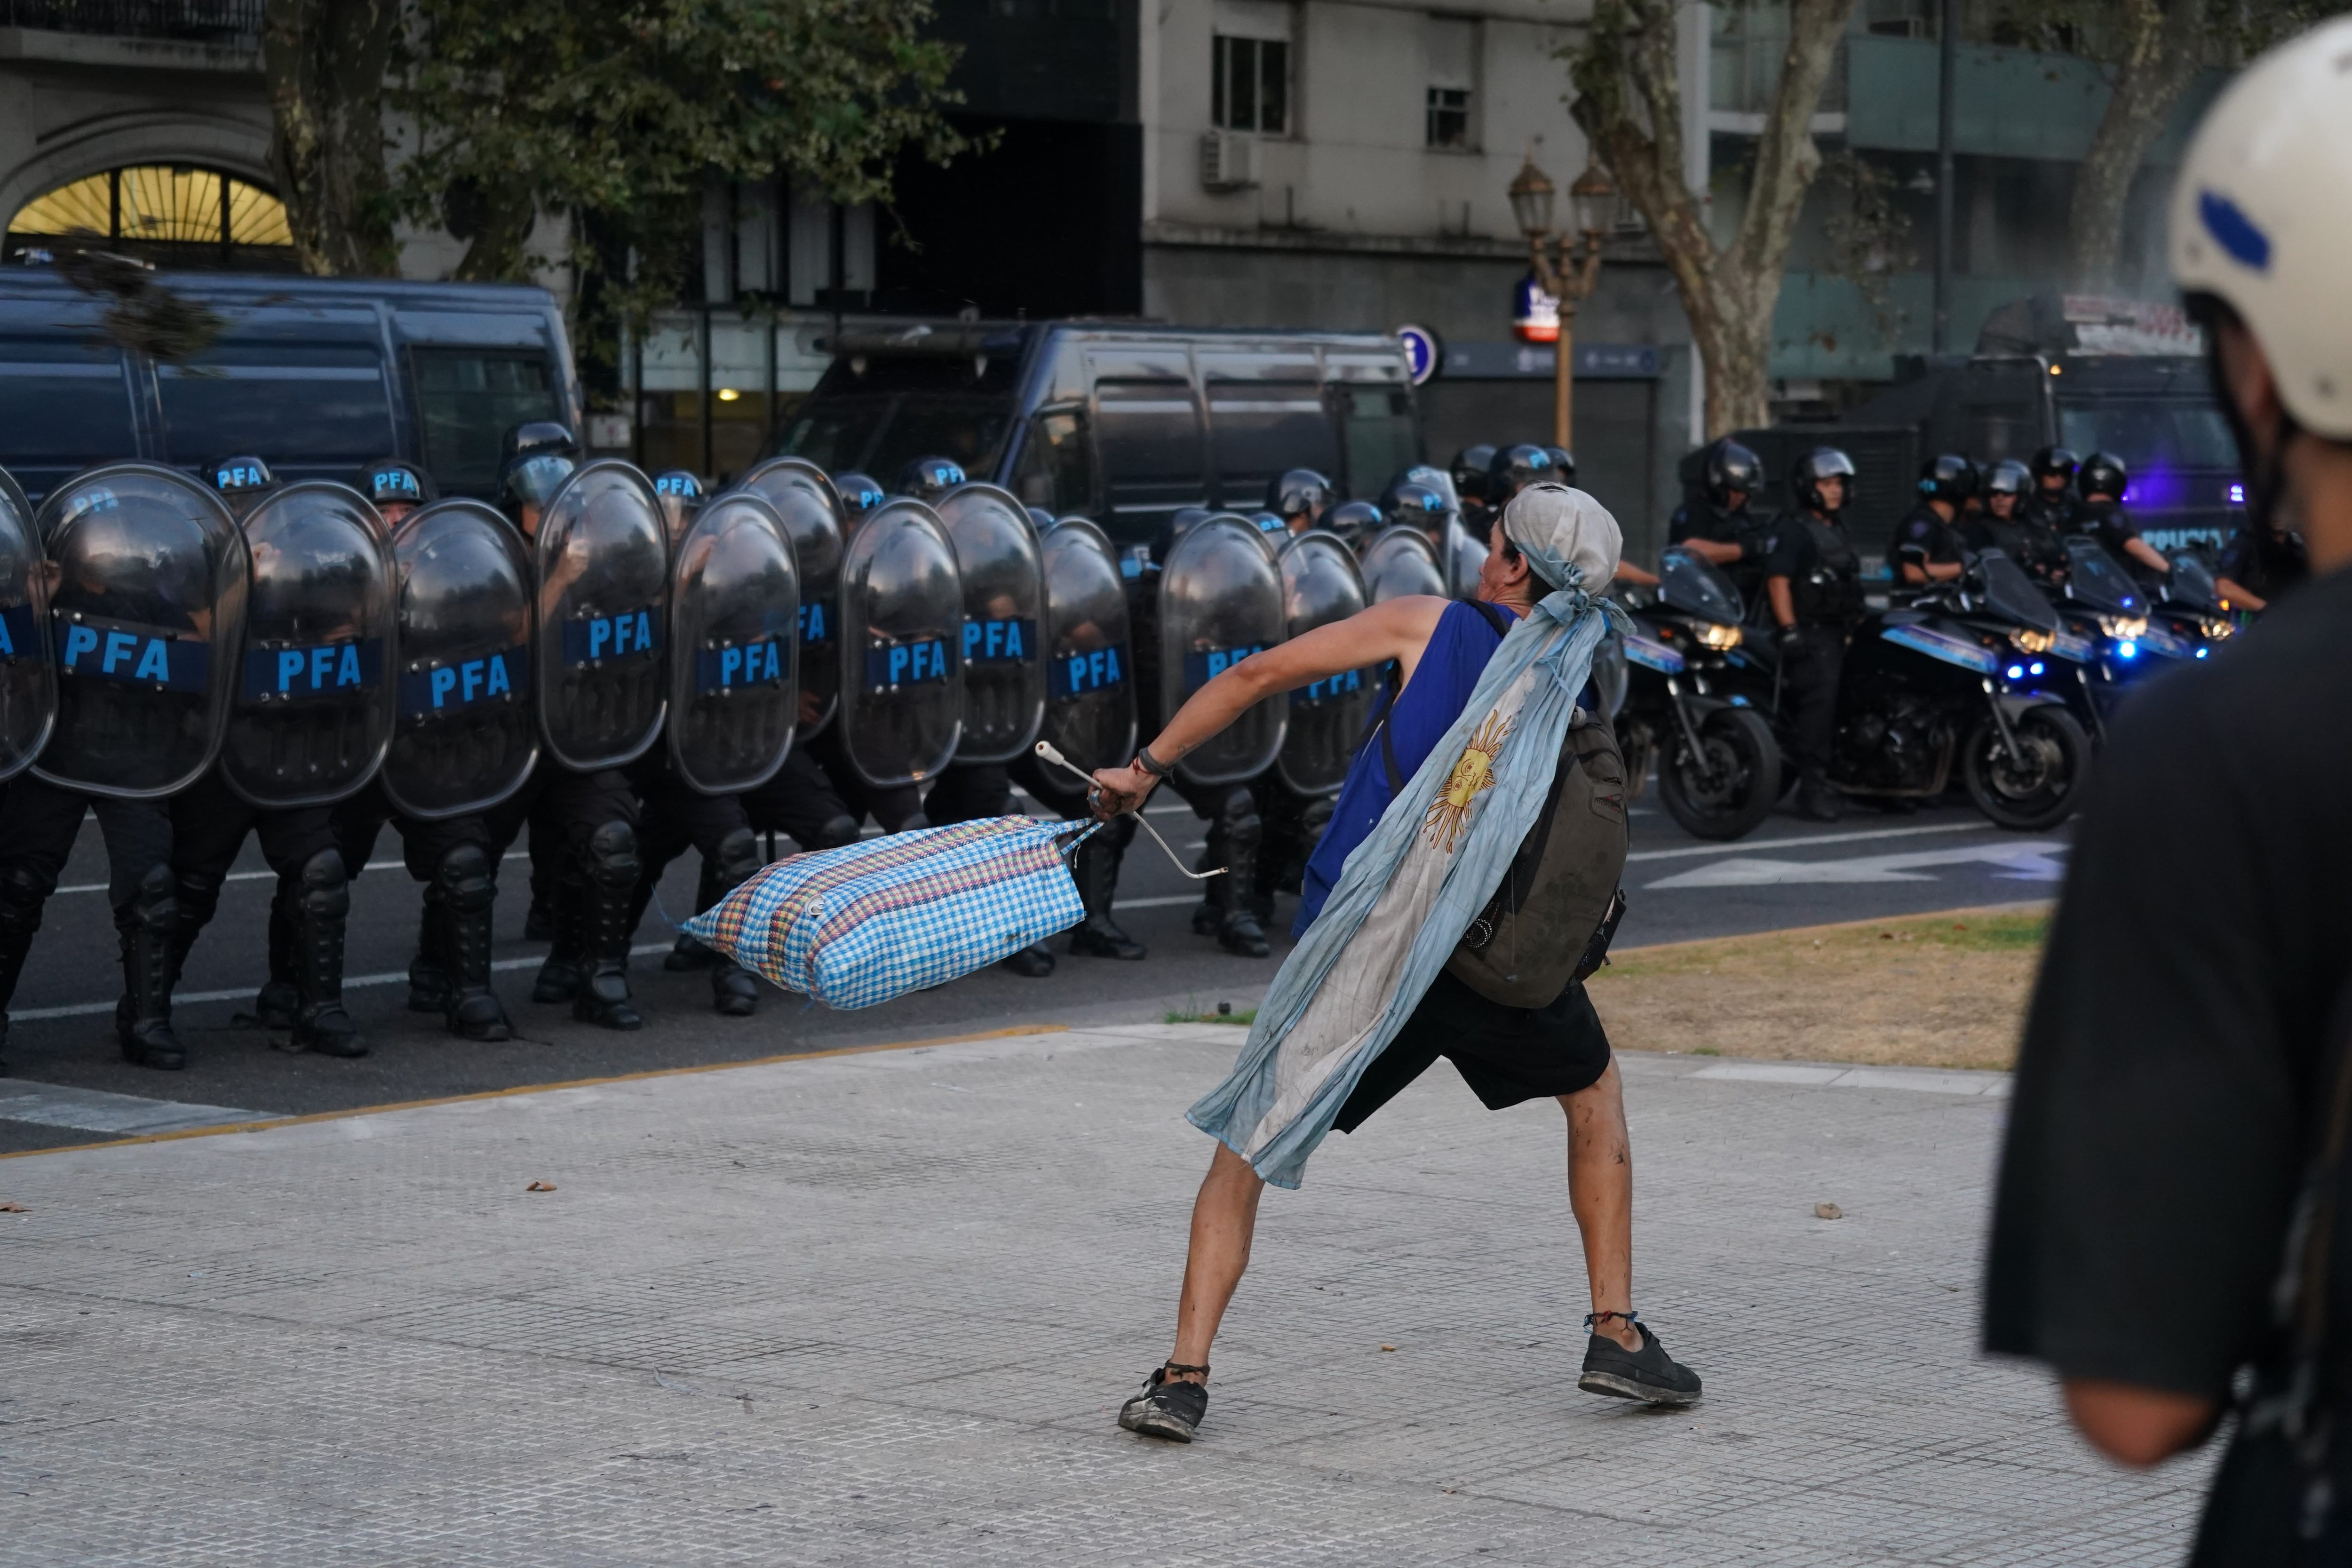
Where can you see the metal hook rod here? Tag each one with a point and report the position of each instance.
(1047, 749)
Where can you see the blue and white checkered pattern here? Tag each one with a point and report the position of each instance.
(863, 923)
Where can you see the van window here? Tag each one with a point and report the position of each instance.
(466, 399)
(1057, 469)
(285, 402)
(68, 403)
(1382, 441)
(1150, 442)
(2176, 433)
(1260, 429)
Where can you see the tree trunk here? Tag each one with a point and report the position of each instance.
(326, 60)
(496, 230)
(2161, 56)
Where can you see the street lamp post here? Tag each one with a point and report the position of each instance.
(1565, 266)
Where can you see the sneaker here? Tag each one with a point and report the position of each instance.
(1648, 1374)
(1164, 1409)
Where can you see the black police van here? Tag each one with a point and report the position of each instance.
(1122, 423)
(315, 376)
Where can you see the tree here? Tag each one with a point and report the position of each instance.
(1628, 102)
(326, 62)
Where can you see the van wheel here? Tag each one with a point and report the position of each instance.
(1722, 790)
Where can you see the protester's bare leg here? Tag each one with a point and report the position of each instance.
(1225, 1217)
(1600, 1192)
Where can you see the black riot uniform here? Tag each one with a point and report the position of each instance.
(2264, 561)
(2021, 536)
(2054, 505)
(1731, 469)
(1811, 548)
(1927, 537)
(2102, 479)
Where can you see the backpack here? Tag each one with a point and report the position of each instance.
(1552, 917)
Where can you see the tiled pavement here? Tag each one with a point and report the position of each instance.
(879, 1309)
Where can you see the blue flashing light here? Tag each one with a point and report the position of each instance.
(2017, 672)
(2237, 495)
(2035, 667)
(2126, 650)
(2204, 651)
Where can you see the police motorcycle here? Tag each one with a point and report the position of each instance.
(2103, 636)
(1718, 764)
(2189, 610)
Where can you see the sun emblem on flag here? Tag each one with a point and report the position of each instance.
(1473, 775)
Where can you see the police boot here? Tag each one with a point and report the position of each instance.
(22, 894)
(1817, 801)
(838, 830)
(1035, 962)
(321, 1024)
(1234, 839)
(149, 927)
(689, 955)
(559, 972)
(428, 981)
(1095, 868)
(603, 991)
(279, 998)
(463, 895)
(734, 990)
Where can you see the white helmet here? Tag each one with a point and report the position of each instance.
(2262, 217)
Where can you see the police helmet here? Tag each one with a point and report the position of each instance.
(1181, 521)
(681, 495)
(2059, 460)
(396, 481)
(536, 435)
(1270, 522)
(1514, 468)
(1428, 474)
(1356, 520)
(929, 478)
(860, 493)
(1822, 463)
(2102, 474)
(1039, 519)
(1732, 467)
(528, 478)
(2009, 477)
(1564, 465)
(1299, 492)
(240, 479)
(1948, 477)
(1421, 505)
(1469, 466)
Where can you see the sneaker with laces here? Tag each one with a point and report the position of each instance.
(1648, 1374)
(1166, 1409)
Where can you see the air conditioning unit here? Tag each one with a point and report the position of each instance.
(1229, 160)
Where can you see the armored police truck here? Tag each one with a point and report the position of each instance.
(1125, 425)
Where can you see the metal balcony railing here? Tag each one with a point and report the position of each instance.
(232, 23)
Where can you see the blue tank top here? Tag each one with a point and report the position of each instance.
(1441, 685)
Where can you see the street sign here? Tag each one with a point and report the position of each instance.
(1535, 314)
(1424, 351)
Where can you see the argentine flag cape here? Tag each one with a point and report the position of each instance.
(1411, 890)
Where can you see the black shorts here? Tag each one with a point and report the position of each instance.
(1507, 1055)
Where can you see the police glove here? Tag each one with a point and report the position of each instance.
(1789, 643)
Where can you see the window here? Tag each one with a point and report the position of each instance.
(1382, 440)
(1449, 117)
(1057, 470)
(171, 215)
(68, 406)
(1150, 437)
(469, 398)
(284, 403)
(1450, 48)
(1251, 85)
(2147, 435)
(1260, 428)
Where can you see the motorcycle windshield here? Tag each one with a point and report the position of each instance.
(2011, 593)
(1692, 583)
(2192, 584)
(2099, 582)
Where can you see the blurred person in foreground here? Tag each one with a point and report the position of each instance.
(2182, 1093)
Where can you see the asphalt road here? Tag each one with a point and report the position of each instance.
(1788, 873)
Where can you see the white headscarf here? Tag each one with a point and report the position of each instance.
(1556, 527)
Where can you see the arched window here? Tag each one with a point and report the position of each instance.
(171, 215)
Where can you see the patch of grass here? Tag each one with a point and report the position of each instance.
(1245, 1016)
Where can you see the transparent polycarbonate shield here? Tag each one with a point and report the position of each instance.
(902, 635)
(313, 714)
(603, 556)
(462, 737)
(1401, 561)
(1220, 600)
(805, 499)
(2096, 580)
(2012, 595)
(1320, 584)
(2192, 583)
(1692, 583)
(1003, 614)
(144, 623)
(1090, 675)
(734, 675)
(1466, 557)
(28, 683)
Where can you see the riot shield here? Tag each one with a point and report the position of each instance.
(811, 507)
(734, 679)
(1220, 601)
(1401, 561)
(902, 626)
(28, 682)
(603, 593)
(1320, 584)
(1464, 559)
(1090, 664)
(313, 713)
(463, 739)
(148, 610)
(1003, 610)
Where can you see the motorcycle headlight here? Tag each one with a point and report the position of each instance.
(2031, 640)
(2216, 627)
(2124, 628)
(1712, 634)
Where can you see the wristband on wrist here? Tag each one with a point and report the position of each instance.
(1152, 764)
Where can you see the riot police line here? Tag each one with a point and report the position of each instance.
(625, 667)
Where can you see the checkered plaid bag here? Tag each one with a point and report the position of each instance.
(868, 921)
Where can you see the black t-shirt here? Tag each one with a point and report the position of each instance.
(2106, 522)
(2167, 1075)
(1920, 539)
(2266, 566)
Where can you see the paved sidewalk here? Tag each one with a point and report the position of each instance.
(881, 1309)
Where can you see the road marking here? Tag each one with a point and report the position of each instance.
(1922, 1080)
(1738, 848)
(96, 1110)
(2027, 862)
